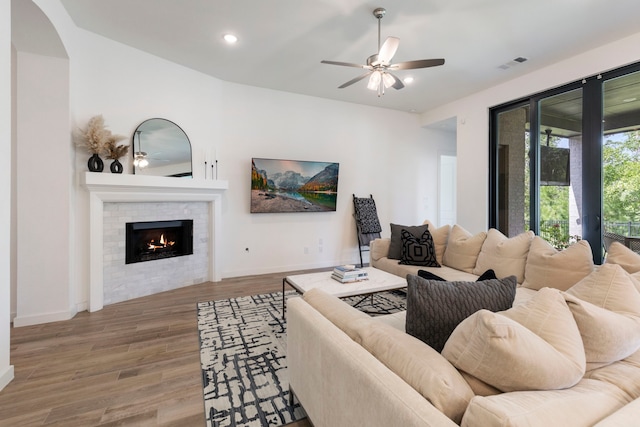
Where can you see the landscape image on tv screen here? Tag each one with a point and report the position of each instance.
(293, 186)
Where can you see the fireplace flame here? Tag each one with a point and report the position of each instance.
(152, 245)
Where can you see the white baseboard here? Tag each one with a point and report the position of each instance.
(19, 321)
(6, 376)
(286, 268)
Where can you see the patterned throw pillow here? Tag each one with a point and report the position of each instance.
(395, 247)
(435, 308)
(418, 250)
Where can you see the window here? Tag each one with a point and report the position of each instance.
(561, 158)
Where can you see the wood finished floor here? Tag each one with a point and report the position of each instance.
(134, 363)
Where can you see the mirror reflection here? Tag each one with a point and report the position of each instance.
(161, 148)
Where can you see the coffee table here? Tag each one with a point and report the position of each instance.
(379, 281)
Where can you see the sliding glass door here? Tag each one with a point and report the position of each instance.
(559, 179)
(621, 155)
(566, 163)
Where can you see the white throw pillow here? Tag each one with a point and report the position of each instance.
(548, 267)
(505, 256)
(533, 346)
(624, 257)
(606, 307)
(420, 366)
(463, 249)
(440, 237)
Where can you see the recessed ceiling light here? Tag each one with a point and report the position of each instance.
(230, 38)
(408, 80)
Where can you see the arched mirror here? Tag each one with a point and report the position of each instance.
(161, 148)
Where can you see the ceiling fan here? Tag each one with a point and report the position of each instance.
(141, 158)
(379, 65)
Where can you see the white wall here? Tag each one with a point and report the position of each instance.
(381, 152)
(473, 118)
(6, 370)
(43, 190)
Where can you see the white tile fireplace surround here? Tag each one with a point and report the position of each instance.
(121, 281)
(175, 197)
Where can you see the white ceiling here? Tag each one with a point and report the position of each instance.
(281, 42)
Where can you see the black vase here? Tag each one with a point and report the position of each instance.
(95, 163)
(116, 166)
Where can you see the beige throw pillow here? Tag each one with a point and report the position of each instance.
(440, 238)
(533, 346)
(548, 267)
(624, 257)
(606, 307)
(463, 249)
(420, 366)
(505, 256)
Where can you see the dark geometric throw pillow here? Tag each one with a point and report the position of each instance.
(435, 308)
(430, 276)
(418, 250)
(395, 246)
(487, 275)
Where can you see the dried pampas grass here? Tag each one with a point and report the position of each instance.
(113, 150)
(97, 139)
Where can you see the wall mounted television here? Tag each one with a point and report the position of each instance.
(554, 166)
(293, 186)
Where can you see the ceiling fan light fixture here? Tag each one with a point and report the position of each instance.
(374, 81)
(388, 80)
(408, 80)
(379, 65)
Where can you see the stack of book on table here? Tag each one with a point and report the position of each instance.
(348, 274)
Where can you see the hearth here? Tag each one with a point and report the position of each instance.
(152, 240)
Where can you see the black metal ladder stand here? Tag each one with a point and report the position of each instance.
(367, 223)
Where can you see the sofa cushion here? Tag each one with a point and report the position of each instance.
(440, 238)
(420, 366)
(418, 250)
(626, 416)
(582, 405)
(537, 344)
(395, 247)
(463, 249)
(434, 308)
(624, 374)
(606, 307)
(624, 257)
(341, 314)
(548, 267)
(506, 256)
(393, 266)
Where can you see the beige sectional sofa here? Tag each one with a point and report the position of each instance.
(573, 331)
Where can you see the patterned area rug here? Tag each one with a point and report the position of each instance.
(243, 348)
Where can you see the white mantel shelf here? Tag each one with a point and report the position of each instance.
(143, 183)
(108, 187)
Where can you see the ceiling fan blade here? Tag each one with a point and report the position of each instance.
(388, 49)
(420, 63)
(357, 79)
(398, 83)
(345, 64)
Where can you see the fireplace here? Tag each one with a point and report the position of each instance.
(152, 240)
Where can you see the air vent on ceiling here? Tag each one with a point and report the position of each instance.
(512, 63)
